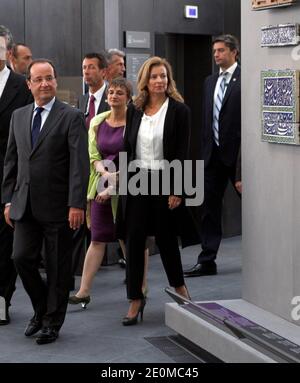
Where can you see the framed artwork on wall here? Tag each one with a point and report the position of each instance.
(280, 108)
(280, 35)
(258, 5)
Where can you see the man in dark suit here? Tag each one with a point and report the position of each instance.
(221, 137)
(92, 103)
(14, 93)
(45, 181)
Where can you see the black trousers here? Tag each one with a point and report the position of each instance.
(216, 177)
(150, 215)
(49, 298)
(8, 273)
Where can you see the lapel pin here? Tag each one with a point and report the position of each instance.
(234, 79)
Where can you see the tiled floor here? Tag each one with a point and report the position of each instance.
(96, 335)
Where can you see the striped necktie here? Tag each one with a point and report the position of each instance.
(218, 105)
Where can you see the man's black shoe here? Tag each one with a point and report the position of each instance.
(201, 269)
(5, 321)
(33, 327)
(48, 335)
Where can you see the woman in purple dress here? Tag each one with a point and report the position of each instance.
(105, 143)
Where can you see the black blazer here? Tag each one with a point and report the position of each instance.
(54, 175)
(229, 119)
(176, 142)
(84, 99)
(15, 95)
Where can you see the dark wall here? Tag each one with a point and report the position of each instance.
(169, 17)
(137, 15)
(53, 34)
(65, 30)
(59, 30)
(92, 25)
(232, 13)
(12, 16)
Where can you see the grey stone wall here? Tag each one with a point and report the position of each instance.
(271, 177)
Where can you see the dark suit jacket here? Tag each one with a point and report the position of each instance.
(15, 95)
(84, 99)
(54, 175)
(176, 142)
(229, 119)
(238, 174)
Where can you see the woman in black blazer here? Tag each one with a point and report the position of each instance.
(157, 130)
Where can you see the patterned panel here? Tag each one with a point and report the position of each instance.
(280, 106)
(266, 4)
(280, 35)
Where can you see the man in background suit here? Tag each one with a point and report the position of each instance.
(21, 57)
(115, 64)
(45, 181)
(14, 93)
(92, 103)
(6, 33)
(221, 138)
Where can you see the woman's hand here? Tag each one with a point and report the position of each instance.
(174, 202)
(99, 167)
(112, 178)
(103, 196)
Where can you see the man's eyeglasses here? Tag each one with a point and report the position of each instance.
(39, 80)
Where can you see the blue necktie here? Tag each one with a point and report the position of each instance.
(36, 126)
(217, 107)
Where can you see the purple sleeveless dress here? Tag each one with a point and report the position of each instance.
(110, 142)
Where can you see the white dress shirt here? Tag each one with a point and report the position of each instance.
(4, 74)
(98, 97)
(229, 73)
(149, 145)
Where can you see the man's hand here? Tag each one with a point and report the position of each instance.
(7, 218)
(174, 202)
(238, 186)
(76, 217)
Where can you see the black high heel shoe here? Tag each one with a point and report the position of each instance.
(132, 321)
(73, 300)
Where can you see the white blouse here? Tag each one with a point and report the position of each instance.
(149, 144)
